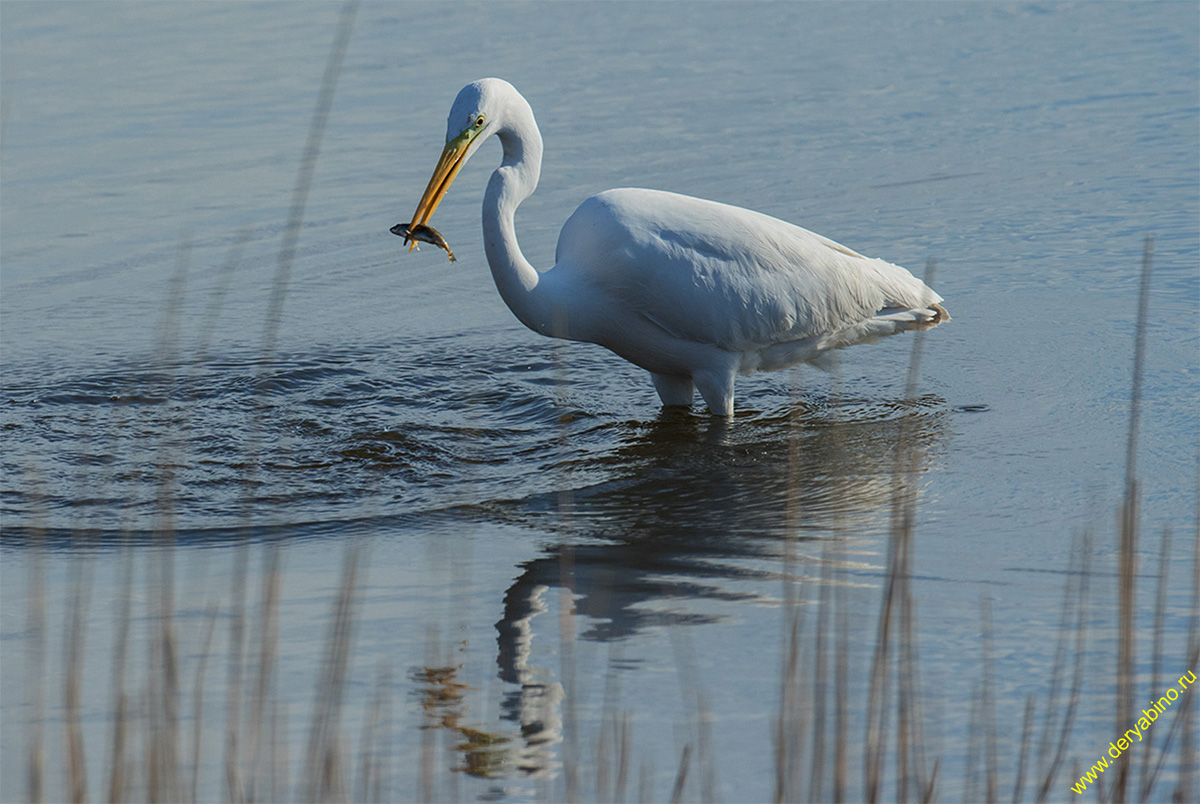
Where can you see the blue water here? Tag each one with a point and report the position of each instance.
(149, 155)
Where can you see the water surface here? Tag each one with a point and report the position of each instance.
(491, 476)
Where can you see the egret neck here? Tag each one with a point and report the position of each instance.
(511, 183)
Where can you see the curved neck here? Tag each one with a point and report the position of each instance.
(511, 183)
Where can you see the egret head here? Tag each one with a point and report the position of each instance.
(477, 113)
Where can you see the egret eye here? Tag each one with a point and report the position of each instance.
(479, 121)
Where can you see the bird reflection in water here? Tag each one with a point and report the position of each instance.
(695, 508)
(443, 701)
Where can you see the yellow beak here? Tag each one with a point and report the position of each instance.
(454, 156)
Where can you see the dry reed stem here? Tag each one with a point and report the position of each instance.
(1077, 682)
(164, 782)
(1187, 788)
(325, 780)
(1128, 534)
(910, 738)
(235, 778)
(786, 732)
(1182, 721)
(681, 775)
(1026, 741)
(268, 648)
(841, 697)
(789, 724)
(896, 610)
(689, 682)
(878, 693)
(1075, 596)
(300, 191)
(971, 771)
(1156, 654)
(615, 739)
(624, 736)
(377, 772)
(987, 703)
(35, 661)
(117, 781)
(73, 652)
(234, 787)
(210, 622)
(819, 694)
(1126, 603)
(365, 751)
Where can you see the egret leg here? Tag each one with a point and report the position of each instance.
(674, 390)
(717, 390)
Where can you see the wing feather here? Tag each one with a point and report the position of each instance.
(723, 275)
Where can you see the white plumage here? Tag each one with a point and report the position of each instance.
(693, 291)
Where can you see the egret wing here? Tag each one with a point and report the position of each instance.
(719, 274)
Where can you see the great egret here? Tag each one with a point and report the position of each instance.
(693, 291)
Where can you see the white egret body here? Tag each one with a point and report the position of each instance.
(693, 291)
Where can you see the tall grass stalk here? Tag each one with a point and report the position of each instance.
(1058, 719)
(987, 704)
(73, 651)
(35, 636)
(1156, 653)
(323, 760)
(1188, 786)
(1127, 537)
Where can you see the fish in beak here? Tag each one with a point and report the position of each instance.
(454, 156)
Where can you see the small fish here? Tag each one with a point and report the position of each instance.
(426, 234)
